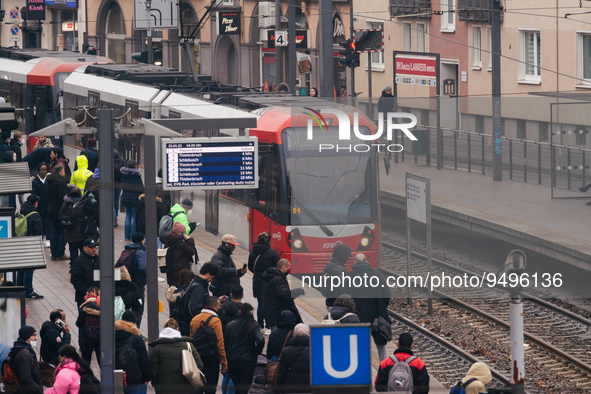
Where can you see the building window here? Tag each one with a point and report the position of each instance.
(542, 131)
(583, 65)
(580, 135)
(521, 129)
(476, 47)
(406, 36)
(377, 58)
(115, 34)
(421, 37)
(530, 54)
(448, 16)
(489, 47)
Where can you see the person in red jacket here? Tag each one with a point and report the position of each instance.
(420, 376)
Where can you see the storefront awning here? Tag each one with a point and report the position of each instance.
(14, 178)
(21, 253)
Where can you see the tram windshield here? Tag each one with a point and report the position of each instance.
(329, 187)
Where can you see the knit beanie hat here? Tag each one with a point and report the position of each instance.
(187, 203)
(129, 317)
(301, 330)
(178, 228)
(26, 332)
(91, 143)
(137, 238)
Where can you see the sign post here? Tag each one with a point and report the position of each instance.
(419, 68)
(13, 20)
(418, 207)
(340, 360)
(14, 33)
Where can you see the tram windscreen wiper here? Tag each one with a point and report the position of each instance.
(320, 225)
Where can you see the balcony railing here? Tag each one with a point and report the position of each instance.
(410, 8)
(475, 11)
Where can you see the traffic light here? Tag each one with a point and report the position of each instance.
(351, 57)
(141, 57)
(157, 56)
(90, 50)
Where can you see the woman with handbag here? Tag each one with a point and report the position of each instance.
(293, 375)
(261, 258)
(243, 342)
(68, 372)
(167, 361)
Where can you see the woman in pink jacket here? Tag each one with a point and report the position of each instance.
(67, 373)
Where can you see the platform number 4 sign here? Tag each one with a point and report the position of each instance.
(280, 38)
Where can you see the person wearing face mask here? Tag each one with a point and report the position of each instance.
(229, 274)
(23, 361)
(181, 249)
(40, 190)
(277, 296)
(180, 213)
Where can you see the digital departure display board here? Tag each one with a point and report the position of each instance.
(210, 163)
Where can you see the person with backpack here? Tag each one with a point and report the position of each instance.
(80, 176)
(133, 258)
(403, 371)
(131, 355)
(82, 270)
(229, 274)
(166, 361)
(89, 321)
(173, 292)
(133, 187)
(293, 375)
(70, 373)
(372, 302)
(283, 334)
(28, 223)
(277, 295)
(181, 250)
(180, 214)
(243, 343)
(475, 380)
(23, 362)
(261, 258)
(86, 212)
(118, 164)
(72, 227)
(335, 267)
(57, 189)
(343, 310)
(39, 188)
(208, 338)
(192, 300)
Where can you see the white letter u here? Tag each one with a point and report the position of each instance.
(353, 361)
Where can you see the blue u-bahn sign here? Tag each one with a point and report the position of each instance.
(340, 356)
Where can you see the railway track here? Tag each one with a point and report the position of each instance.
(445, 361)
(559, 352)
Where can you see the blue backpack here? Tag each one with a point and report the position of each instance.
(460, 388)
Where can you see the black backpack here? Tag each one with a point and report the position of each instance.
(205, 340)
(69, 221)
(89, 384)
(129, 361)
(78, 214)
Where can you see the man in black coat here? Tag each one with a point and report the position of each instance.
(230, 309)
(193, 299)
(34, 227)
(126, 331)
(370, 301)
(335, 267)
(55, 333)
(23, 361)
(15, 145)
(285, 324)
(82, 270)
(229, 275)
(57, 189)
(260, 259)
(277, 295)
(118, 164)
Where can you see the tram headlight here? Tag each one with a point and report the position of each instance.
(295, 241)
(367, 239)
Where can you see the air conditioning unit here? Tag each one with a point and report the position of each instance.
(266, 14)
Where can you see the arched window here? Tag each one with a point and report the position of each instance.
(189, 22)
(115, 34)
